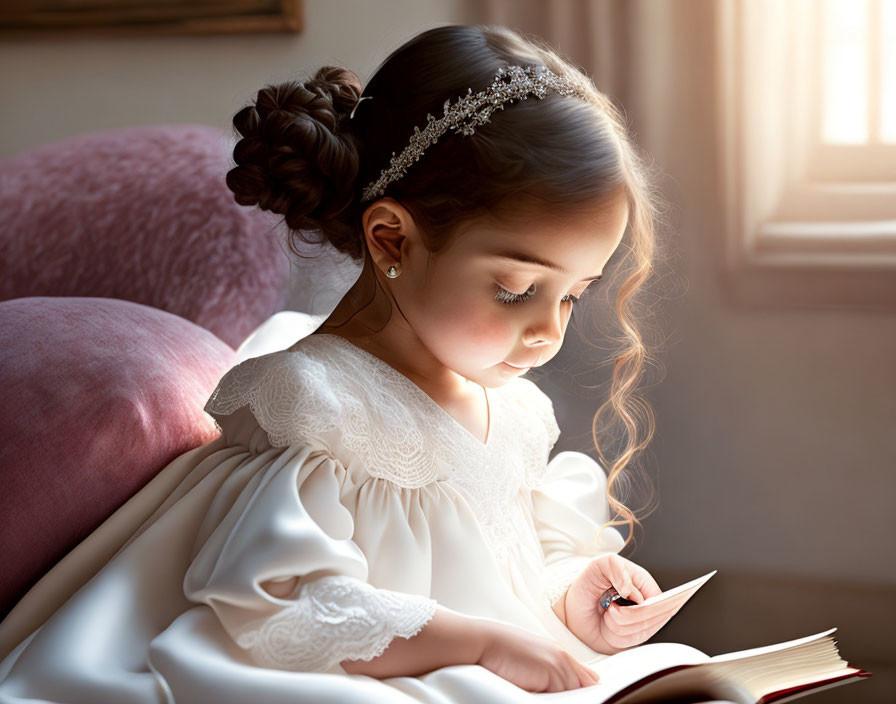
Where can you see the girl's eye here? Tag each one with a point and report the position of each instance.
(506, 296)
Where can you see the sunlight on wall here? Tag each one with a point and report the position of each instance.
(888, 68)
(859, 80)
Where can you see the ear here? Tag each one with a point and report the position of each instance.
(387, 225)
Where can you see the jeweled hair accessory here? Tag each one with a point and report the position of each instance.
(511, 83)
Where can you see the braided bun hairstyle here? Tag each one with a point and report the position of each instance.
(297, 156)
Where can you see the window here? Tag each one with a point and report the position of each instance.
(854, 130)
(808, 115)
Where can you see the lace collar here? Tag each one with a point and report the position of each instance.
(326, 389)
(425, 398)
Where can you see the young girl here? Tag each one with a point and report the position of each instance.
(378, 520)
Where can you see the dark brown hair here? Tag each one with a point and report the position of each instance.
(300, 154)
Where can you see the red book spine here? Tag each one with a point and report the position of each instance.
(635, 686)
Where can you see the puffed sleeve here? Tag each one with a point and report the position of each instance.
(280, 519)
(569, 505)
(569, 509)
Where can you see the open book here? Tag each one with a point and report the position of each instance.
(674, 672)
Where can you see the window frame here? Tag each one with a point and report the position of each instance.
(792, 239)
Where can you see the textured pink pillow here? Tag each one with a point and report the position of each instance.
(99, 395)
(142, 214)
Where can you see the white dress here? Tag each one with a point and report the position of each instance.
(345, 473)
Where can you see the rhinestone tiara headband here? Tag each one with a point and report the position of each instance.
(511, 83)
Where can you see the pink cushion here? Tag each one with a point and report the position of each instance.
(142, 214)
(99, 395)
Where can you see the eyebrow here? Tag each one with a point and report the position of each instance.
(532, 259)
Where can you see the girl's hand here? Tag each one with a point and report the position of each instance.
(619, 627)
(532, 662)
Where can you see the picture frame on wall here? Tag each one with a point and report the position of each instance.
(22, 19)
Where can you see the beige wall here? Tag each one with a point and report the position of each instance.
(57, 88)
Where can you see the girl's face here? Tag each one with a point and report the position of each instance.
(496, 302)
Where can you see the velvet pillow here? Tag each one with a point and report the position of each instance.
(99, 395)
(142, 214)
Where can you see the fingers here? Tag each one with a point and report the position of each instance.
(619, 573)
(627, 615)
(628, 588)
(619, 641)
(628, 629)
(671, 597)
(657, 605)
(625, 635)
(646, 584)
(570, 675)
(630, 579)
(630, 620)
(586, 675)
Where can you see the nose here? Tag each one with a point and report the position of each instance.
(545, 329)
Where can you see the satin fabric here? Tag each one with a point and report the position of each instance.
(147, 609)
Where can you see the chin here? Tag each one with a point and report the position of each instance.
(497, 376)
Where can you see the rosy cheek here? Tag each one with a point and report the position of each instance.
(489, 331)
(477, 321)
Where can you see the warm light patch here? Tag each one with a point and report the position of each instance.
(859, 71)
(888, 71)
(845, 43)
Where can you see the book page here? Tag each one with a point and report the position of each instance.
(770, 648)
(620, 670)
(691, 586)
(783, 667)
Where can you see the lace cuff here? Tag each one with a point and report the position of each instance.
(335, 618)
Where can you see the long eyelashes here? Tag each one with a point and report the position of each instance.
(506, 296)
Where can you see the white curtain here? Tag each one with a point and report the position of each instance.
(638, 52)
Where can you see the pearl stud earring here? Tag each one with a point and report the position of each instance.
(392, 272)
